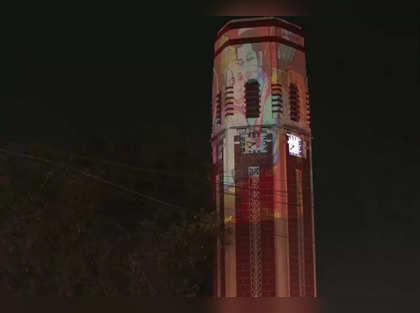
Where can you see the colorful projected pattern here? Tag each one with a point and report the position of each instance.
(261, 152)
(252, 141)
(270, 63)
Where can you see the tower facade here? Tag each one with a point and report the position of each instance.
(261, 157)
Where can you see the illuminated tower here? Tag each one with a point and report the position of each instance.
(262, 167)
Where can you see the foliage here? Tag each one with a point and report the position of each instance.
(65, 233)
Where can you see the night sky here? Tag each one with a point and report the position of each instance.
(129, 79)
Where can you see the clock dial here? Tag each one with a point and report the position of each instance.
(295, 145)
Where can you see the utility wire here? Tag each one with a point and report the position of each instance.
(144, 196)
(163, 172)
(289, 204)
(243, 186)
(94, 177)
(128, 166)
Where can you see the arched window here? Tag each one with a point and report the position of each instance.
(252, 98)
(308, 109)
(218, 109)
(228, 103)
(294, 102)
(276, 99)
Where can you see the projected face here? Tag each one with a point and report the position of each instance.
(236, 78)
(248, 60)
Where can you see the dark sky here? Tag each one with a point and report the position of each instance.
(125, 80)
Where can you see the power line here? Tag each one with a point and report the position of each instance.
(289, 204)
(135, 168)
(165, 172)
(270, 190)
(95, 177)
(128, 166)
(144, 196)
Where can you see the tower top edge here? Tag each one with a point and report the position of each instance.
(258, 21)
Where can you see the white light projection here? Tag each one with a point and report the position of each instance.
(295, 145)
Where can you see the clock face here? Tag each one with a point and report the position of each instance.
(295, 145)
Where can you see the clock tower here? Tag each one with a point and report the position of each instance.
(261, 158)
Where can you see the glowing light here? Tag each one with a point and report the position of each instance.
(295, 145)
(228, 219)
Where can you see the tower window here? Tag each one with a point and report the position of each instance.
(276, 99)
(294, 102)
(252, 98)
(308, 109)
(218, 109)
(228, 103)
